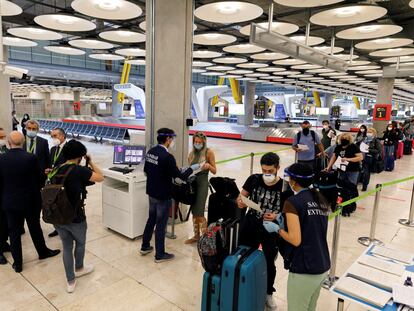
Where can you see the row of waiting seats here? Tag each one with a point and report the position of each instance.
(98, 132)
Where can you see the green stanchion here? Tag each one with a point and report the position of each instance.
(248, 155)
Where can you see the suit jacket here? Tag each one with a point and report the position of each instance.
(20, 180)
(42, 153)
(60, 160)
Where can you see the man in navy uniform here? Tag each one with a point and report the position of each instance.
(161, 168)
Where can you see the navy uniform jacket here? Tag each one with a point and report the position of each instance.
(20, 180)
(161, 168)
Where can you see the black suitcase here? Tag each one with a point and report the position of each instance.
(347, 191)
(408, 147)
(222, 202)
(326, 182)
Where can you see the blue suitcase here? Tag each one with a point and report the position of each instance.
(210, 300)
(243, 281)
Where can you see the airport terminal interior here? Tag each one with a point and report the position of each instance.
(241, 78)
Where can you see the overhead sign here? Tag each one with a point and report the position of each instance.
(382, 112)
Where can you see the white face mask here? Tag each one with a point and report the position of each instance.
(172, 144)
(269, 178)
(3, 142)
(291, 187)
(362, 130)
(55, 142)
(326, 127)
(370, 135)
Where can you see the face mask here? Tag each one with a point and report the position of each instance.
(172, 144)
(269, 178)
(344, 142)
(3, 142)
(198, 146)
(362, 130)
(305, 131)
(31, 134)
(370, 135)
(291, 187)
(55, 142)
(390, 128)
(326, 127)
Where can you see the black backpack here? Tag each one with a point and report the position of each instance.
(56, 207)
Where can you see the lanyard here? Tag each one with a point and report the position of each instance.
(56, 169)
(33, 148)
(56, 156)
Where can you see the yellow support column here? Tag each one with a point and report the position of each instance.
(235, 89)
(214, 101)
(317, 99)
(357, 103)
(126, 69)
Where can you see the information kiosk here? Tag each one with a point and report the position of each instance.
(124, 200)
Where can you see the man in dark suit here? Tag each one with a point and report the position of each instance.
(38, 146)
(56, 155)
(20, 183)
(4, 234)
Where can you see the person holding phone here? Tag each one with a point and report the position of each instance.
(266, 190)
(78, 178)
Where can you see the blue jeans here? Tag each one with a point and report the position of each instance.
(74, 232)
(158, 218)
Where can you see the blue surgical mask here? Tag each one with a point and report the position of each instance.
(31, 134)
(198, 146)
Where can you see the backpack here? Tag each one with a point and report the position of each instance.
(215, 244)
(56, 207)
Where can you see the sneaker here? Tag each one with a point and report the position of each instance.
(84, 271)
(71, 287)
(271, 303)
(165, 257)
(146, 250)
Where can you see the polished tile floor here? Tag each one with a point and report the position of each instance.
(124, 280)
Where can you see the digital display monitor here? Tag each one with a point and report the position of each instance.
(362, 112)
(127, 107)
(322, 111)
(128, 154)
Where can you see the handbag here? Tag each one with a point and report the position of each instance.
(185, 191)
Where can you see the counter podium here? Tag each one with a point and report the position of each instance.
(124, 202)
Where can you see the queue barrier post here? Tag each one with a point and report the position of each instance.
(410, 221)
(251, 163)
(341, 305)
(172, 235)
(371, 239)
(332, 278)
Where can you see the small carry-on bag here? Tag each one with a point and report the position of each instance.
(408, 147)
(325, 182)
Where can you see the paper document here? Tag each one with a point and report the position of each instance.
(251, 204)
(331, 134)
(382, 264)
(398, 255)
(200, 169)
(403, 294)
(374, 277)
(363, 291)
(364, 147)
(303, 147)
(340, 165)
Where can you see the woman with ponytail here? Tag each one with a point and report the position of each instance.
(304, 229)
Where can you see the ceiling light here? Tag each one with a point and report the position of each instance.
(108, 5)
(246, 46)
(346, 12)
(383, 41)
(368, 29)
(228, 8)
(298, 38)
(125, 33)
(394, 50)
(211, 36)
(65, 19)
(36, 30)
